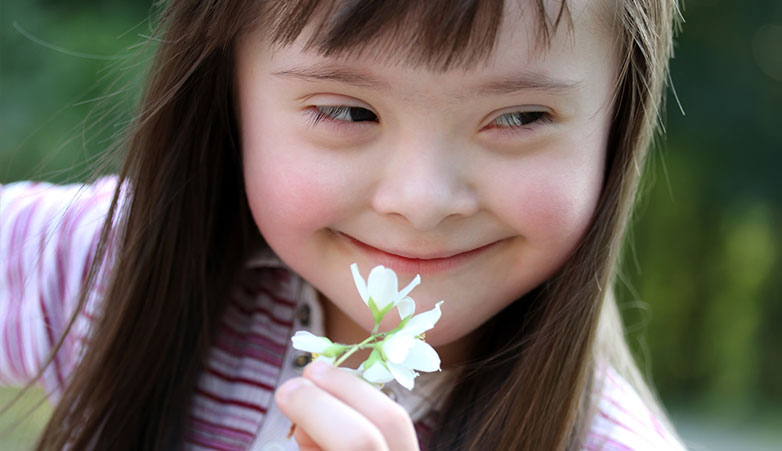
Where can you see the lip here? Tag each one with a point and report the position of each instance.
(417, 264)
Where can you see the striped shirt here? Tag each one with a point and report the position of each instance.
(48, 235)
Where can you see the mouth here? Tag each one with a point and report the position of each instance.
(418, 262)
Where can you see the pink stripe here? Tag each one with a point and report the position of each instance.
(655, 423)
(655, 426)
(209, 412)
(266, 342)
(7, 313)
(276, 335)
(252, 365)
(15, 289)
(623, 425)
(50, 337)
(589, 447)
(247, 352)
(48, 323)
(57, 306)
(604, 439)
(248, 315)
(620, 407)
(19, 340)
(62, 250)
(239, 380)
(621, 385)
(272, 295)
(263, 311)
(661, 431)
(211, 444)
(71, 219)
(60, 266)
(20, 320)
(231, 402)
(17, 296)
(221, 429)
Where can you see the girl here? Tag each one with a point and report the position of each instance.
(494, 147)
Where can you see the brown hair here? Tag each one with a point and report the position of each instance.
(184, 230)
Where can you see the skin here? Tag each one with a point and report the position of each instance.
(438, 172)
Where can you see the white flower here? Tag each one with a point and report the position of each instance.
(377, 373)
(397, 354)
(321, 346)
(422, 322)
(381, 290)
(309, 342)
(406, 352)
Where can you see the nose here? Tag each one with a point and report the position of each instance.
(424, 184)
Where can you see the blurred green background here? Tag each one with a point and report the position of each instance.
(700, 289)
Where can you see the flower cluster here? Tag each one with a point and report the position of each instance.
(397, 354)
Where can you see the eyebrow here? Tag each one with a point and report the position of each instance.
(522, 81)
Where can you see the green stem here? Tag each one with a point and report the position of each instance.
(353, 349)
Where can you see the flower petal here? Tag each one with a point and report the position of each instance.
(309, 342)
(406, 290)
(361, 286)
(377, 374)
(397, 346)
(381, 286)
(406, 307)
(404, 375)
(422, 357)
(422, 322)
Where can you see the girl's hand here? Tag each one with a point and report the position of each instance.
(334, 410)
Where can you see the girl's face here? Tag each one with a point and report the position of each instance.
(482, 181)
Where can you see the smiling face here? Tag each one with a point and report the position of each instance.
(482, 180)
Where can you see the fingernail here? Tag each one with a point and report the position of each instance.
(290, 386)
(318, 369)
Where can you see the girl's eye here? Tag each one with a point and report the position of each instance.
(521, 119)
(340, 114)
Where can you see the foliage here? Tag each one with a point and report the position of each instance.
(707, 253)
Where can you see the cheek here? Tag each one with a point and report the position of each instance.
(552, 203)
(288, 188)
(562, 207)
(289, 192)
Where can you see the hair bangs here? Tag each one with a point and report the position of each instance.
(435, 34)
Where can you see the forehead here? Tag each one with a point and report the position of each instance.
(577, 52)
(434, 34)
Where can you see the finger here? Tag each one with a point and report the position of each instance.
(330, 423)
(389, 417)
(304, 441)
